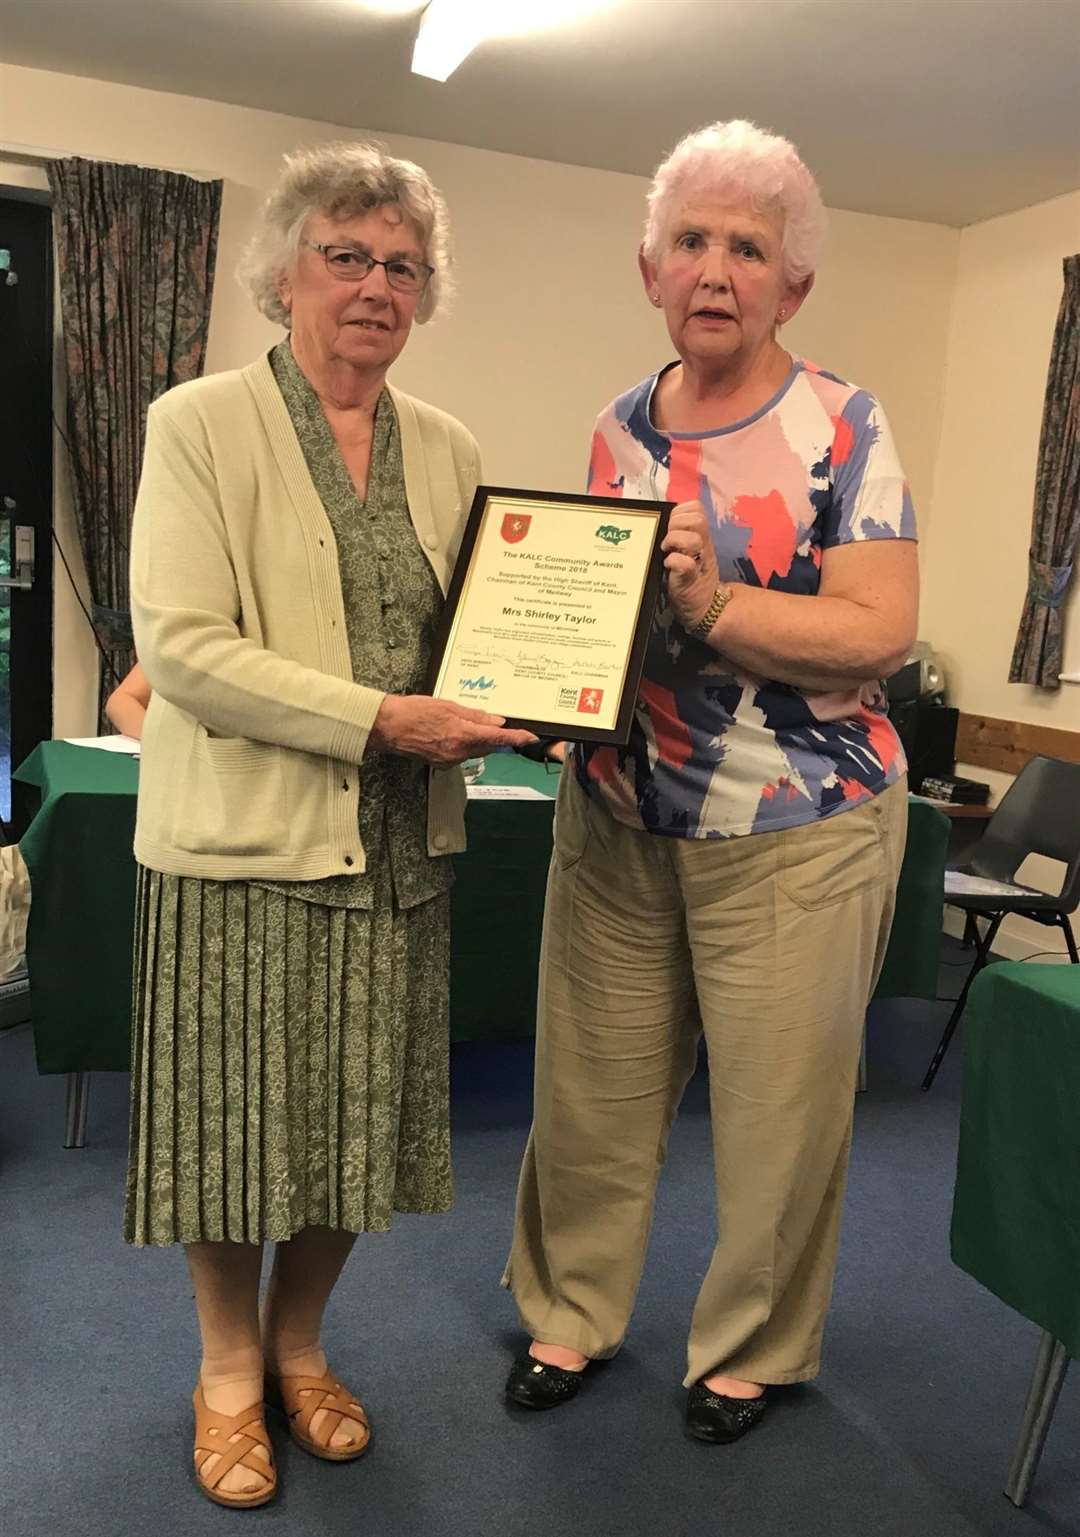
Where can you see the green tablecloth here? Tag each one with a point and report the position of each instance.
(82, 874)
(913, 959)
(498, 905)
(1016, 1210)
(82, 905)
(78, 851)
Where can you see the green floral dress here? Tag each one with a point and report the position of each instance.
(290, 1042)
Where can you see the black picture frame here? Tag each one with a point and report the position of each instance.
(619, 734)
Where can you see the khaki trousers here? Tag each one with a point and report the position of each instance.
(771, 944)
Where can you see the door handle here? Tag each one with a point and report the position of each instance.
(22, 558)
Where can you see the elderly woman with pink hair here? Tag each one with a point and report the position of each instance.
(730, 872)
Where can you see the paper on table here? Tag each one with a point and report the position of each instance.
(505, 793)
(116, 743)
(957, 884)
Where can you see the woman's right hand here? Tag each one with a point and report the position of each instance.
(438, 731)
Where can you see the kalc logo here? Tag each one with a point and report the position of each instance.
(612, 535)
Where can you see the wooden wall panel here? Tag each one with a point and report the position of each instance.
(1006, 745)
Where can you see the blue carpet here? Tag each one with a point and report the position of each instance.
(908, 1432)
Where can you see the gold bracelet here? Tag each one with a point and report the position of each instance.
(720, 600)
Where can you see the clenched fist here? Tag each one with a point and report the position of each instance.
(690, 562)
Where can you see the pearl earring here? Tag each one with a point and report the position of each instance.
(781, 316)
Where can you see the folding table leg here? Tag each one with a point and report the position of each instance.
(1049, 1374)
(78, 1097)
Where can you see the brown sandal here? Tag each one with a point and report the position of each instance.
(212, 1439)
(300, 1398)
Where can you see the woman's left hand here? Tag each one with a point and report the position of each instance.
(690, 563)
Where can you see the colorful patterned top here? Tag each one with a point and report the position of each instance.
(715, 753)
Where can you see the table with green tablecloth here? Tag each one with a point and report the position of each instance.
(1016, 1206)
(913, 958)
(82, 872)
(1016, 1212)
(78, 850)
(498, 903)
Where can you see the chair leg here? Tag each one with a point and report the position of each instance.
(981, 957)
(1070, 942)
(78, 1097)
(1049, 1374)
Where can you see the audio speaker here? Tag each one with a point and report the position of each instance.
(928, 735)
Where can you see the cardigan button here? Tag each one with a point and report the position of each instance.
(348, 859)
(440, 840)
(431, 541)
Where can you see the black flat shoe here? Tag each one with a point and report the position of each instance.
(715, 1417)
(536, 1385)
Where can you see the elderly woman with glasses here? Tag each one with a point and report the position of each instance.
(296, 526)
(732, 871)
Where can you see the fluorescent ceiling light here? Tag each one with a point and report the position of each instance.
(451, 29)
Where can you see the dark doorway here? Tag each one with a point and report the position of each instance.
(26, 566)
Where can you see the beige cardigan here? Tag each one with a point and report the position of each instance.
(255, 726)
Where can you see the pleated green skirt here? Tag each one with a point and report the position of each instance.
(289, 1063)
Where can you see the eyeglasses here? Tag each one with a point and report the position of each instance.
(353, 266)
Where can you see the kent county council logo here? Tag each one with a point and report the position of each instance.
(515, 525)
(589, 701)
(612, 535)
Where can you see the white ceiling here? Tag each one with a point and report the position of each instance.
(946, 110)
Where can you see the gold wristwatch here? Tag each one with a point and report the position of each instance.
(720, 600)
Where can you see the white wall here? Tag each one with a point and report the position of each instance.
(1008, 290)
(549, 321)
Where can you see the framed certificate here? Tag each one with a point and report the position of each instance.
(549, 611)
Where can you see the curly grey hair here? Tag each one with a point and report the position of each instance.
(342, 180)
(751, 162)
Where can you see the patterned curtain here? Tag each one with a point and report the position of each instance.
(135, 253)
(1055, 524)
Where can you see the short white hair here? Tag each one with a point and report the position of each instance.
(342, 180)
(738, 157)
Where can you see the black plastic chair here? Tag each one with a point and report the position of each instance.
(1039, 814)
